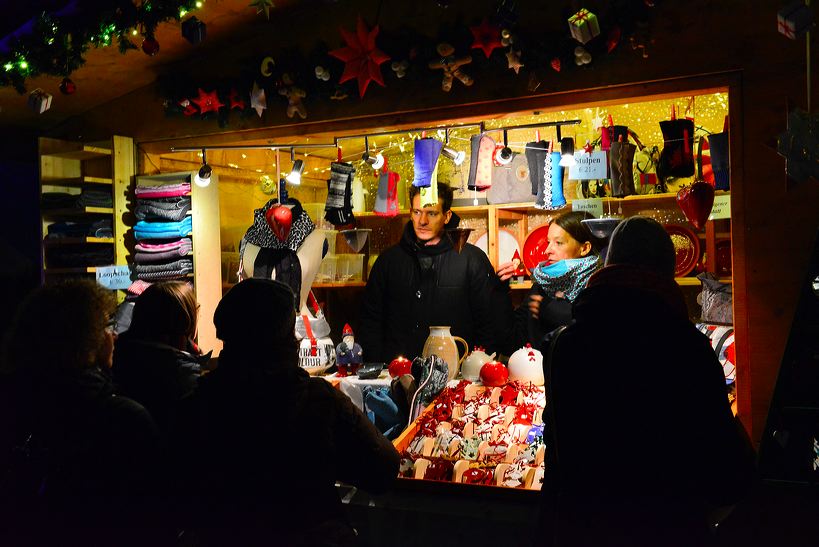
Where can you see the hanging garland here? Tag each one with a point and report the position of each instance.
(54, 43)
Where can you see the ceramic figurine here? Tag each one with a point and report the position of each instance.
(526, 365)
(348, 353)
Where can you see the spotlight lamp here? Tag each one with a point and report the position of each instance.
(503, 156)
(202, 178)
(456, 156)
(567, 151)
(376, 161)
(294, 177)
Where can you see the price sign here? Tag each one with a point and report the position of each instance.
(593, 206)
(589, 166)
(114, 277)
(722, 208)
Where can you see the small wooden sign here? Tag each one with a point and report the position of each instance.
(589, 166)
(114, 277)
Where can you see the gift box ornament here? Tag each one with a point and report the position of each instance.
(193, 30)
(584, 26)
(39, 101)
(794, 20)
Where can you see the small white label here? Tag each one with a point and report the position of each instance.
(593, 206)
(114, 277)
(589, 166)
(722, 208)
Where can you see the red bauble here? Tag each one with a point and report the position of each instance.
(150, 46)
(696, 202)
(280, 218)
(67, 87)
(494, 374)
(555, 64)
(400, 366)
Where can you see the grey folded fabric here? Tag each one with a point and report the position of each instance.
(177, 265)
(164, 257)
(173, 209)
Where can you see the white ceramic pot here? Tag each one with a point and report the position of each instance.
(471, 368)
(318, 357)
(526, 365)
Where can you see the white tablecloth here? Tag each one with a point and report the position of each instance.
(353, 386)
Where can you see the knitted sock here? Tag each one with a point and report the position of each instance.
(386, 200)
(550, 194)
(338, 209)
(536, 156)
(429, 195)
(621, 159)
(677, 157)
(718, 142)
(427, 151)
(480, 164)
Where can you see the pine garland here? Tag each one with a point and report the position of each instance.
(56, 42)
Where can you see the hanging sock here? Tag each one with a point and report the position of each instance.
(338, 209)
(718, 143)
(536, 153)
(427, 151)
(429, 194)
(386, 199)
(550, 194)
(621, 159)
(677, 157)
(480, 162)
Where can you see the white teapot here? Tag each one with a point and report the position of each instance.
(471, 368)
(526, 365)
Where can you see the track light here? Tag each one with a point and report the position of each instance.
(567, 152)
(202, 178)
(376, 161)
(456, 156)
(503, 155)
(294, 177)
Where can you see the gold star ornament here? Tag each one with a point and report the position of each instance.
(513, 58)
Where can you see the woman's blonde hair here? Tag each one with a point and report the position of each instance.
(166, 308)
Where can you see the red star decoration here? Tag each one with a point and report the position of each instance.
(487, 37)
(588, 148)
(362, 58)
(189, 109)
(236, 101)
(207, 102)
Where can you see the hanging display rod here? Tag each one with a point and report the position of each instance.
(253, 147)
(410, 130)
(556, 125)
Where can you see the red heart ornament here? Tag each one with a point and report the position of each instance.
(280, 219)
(696, 202)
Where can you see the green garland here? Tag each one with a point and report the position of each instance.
(56, 44)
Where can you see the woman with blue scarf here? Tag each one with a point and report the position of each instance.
(573, 255)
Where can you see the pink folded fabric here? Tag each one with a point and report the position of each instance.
(183, 243)
(163, 191)
(138, 287)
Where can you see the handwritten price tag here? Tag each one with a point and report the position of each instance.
(593, 206)
(721, 209)
(589, 166)
(114, 277)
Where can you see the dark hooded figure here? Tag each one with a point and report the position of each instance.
(266, 442)
(642, 443)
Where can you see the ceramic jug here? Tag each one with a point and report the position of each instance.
(440, 342)
(471, 368)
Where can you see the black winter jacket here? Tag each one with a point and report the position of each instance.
(156, 375)
(413, 287)
(642, 432)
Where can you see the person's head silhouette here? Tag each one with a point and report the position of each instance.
(644, 243)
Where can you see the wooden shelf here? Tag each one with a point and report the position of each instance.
(681, 281)
(339, 285)
(78, 211)
(77, 151)
(77, 181)
(53, 242)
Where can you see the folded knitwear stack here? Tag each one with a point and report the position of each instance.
(162, 233)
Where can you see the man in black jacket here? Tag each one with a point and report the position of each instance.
(424, 281)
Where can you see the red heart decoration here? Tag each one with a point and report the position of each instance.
(280, 219)
(696, 202)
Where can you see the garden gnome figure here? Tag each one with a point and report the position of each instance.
(349, 355)
(451, 65)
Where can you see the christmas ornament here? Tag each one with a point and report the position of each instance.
(400, 68)
(207, 102)
(235, 100)
(487, 37)
(584, 26)
(262, 6)
(581, 56)
(67, 87)
(294, 98)
(588, 148)
(794, 20)
(188, 108)
(280, 219)
(506, 38)
(150, 46)
(555, 64)
(696, 202)
(322, 73)
(267, 67)
(641, 39)
(399, 366)
(613, 39)
(258, 102)
(451, 66)
(597, 120)
(267, 184)
(361, 57)
(494, 374)
(39, 101)
(513, 60)
(799, 145)
(193, 30)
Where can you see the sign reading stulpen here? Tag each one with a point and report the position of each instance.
(589, 166)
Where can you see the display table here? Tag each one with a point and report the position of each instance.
(353, 386)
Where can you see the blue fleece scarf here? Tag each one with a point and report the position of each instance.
(569, 275)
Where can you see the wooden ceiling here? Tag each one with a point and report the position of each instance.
(107, 74)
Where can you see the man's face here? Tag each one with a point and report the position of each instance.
(428, 222)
